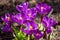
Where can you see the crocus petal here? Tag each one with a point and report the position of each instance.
(6, 28)
(22, 7)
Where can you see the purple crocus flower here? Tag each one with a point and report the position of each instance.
(48, 30)
(30, 27)
(43, 8)
(6, 28)
(37, 34)
(22, 7)
(30, 14)
(18, 18)
(48, 23)
(27, 32)
(7, 18)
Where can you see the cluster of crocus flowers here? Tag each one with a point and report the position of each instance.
(26, 16)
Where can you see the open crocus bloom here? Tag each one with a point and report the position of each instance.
(30, 14)
(30, 27)
(43, 8)
(6, 18)
(18, 18)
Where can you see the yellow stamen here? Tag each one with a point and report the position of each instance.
(28, 8)
(20, 18)
(29, 14)
(42, 8)
(30, 27)
(8, 18)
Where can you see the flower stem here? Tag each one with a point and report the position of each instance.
(28, 37)
(50, 13)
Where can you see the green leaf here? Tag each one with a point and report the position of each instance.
(19, 35)
(15, 30)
